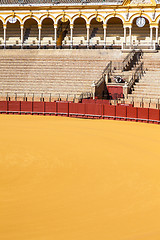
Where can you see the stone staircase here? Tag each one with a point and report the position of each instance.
(147, 89)
(56, 72)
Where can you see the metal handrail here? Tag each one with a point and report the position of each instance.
(85, 95)
(106, 71)
(127, 59)
(108, 68)
(137, 75)
(38, 96)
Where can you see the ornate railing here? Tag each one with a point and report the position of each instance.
(24, 2)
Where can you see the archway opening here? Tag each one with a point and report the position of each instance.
(115, 32)
(13, 33)
(47, 34)
(140, 35)
(159, 33)
(30, 32)
(1, 33)
(79, 32)
(96, 31)
(63, 31)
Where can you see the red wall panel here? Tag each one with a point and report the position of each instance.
(106, 101)
(98, 109)
(90, 108)
(109, 110)
(88, 100)
(50, 107)
(3, 105)
(38, 107)
(121, 111)
(26, 106)
(143, 114)
(132, 112)
(81, 108)
(154, 114)
(94, 110)
(62, 107)
(115, 91)
(14, 106)
(72, 108)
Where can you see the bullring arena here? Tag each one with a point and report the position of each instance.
(79, 119)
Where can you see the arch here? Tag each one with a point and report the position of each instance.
(114, 16)
(60, 16)
(47, 31)
(138, 15)
(96, 31)
(140, 35)
(2, 19)
(79, 16)
(17, 17)
(47, 16)
(31, 32)
(80, 31)
(157, 19)
(94, 16)
(115, 31)
(30, 17)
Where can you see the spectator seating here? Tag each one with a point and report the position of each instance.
(52, 71)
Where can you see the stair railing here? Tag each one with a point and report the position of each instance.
(127, 59)
(106, 72)
(131, 59)
(108, 68)
(136, 75)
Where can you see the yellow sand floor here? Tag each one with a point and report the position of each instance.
(75, 179)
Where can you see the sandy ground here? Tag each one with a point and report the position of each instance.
(75, 179)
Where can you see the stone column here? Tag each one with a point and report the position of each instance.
(22, 27)
(88, 27)
(4, 34)
(55, 34)
(104, 28)
(71, 29)
(39, 35)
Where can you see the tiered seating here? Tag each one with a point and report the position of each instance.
(13, 34)
(57, 72)
(148, 88)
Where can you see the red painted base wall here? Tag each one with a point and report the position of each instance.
(101, 110)
(115, 92)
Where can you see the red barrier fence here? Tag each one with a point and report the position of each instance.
(83, 110)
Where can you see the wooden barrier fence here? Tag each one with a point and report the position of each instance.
(82, 110)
